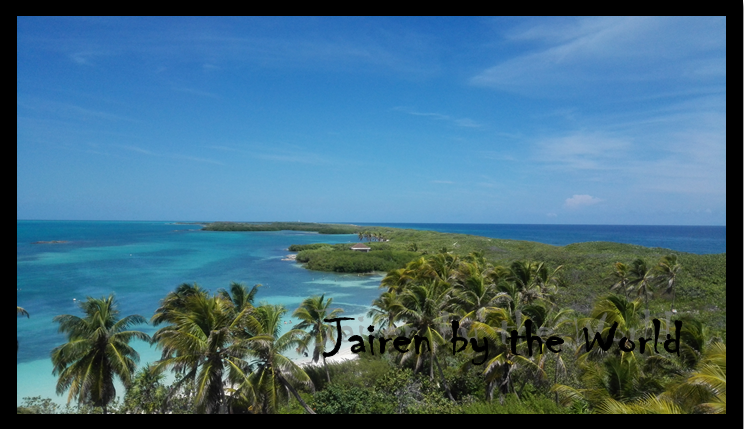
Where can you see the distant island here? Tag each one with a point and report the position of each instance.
(51, 242)
(321, 228)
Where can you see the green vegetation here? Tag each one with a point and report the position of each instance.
(227, 354)
(340, 259)
(322, 228)
(97, 349)
(589, 270)
(312, 314)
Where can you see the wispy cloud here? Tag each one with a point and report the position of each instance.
(578, 201)
(220, 44)
(196, 92)
(284, 155)
(584, 53)
(67, 110)
(496, 156)
(168, 155)
(581, 151)
(84, 58)
(461, 122)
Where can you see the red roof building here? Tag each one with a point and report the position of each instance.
(361, 247)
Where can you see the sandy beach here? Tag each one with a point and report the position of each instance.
(342, 355)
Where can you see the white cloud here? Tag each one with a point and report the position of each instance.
(581, 201)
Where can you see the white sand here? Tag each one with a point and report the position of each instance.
(342, 355)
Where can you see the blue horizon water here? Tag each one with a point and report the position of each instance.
(142, 261)
(704, 239)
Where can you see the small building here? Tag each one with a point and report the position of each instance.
(361, 247)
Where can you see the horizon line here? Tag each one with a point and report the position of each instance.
(359, 223)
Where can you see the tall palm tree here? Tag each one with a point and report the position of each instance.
(501, 362)
(271, 373)
(423, 311)
(97, 349)
(205, 341)
(20, 312)
(669, 269)
(312, 313)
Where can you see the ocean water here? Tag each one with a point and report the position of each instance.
(691, 239)
(140, 262)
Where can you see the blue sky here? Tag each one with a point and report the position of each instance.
(462, 120)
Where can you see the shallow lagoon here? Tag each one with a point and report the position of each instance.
(141, 262)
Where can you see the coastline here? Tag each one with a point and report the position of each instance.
(51, 276)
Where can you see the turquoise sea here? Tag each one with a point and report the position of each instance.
(140, 262)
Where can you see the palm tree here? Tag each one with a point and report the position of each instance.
(385, 310)
(423, 310)
(97, 349)
(475, 290)
(239, 296)
(642, 279)
(622, 277)
(20, 312)
(533, 280)
(701, 391)
(669, 268)
(205, 341)
(618, 378)
(616, 308)
(704, 389)
(695, 341)
(312, 313)
(175, 301)
(397, 280)
(272, 373)
(501, 363)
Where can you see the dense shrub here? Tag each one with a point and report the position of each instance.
(349, 261)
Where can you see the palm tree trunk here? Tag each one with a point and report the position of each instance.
(431, 365)
(444, 381)
(555, 379)
(296, 395)
(490, 386)
(328, 374)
